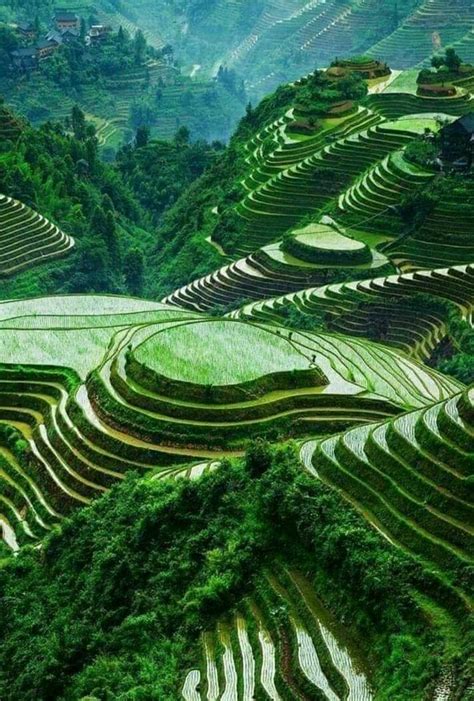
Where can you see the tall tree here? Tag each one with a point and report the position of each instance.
(139, 47)
(134, 269)
(78, 122)
(142, 136)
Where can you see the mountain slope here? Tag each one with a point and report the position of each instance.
(260, 486)
(277, 41)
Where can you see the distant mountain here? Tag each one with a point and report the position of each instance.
(272, 41)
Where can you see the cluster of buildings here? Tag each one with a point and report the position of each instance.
(457, 144)
(65, 27)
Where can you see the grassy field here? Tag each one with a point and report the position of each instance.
(318, 236)
(219, 353)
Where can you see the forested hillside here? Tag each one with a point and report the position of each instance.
(271, 41)
(109, 211)
(110, 70)
(237, 381)
(261, 44)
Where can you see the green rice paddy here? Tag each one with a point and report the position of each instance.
(219, 353)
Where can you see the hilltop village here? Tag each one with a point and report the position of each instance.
(66, 27)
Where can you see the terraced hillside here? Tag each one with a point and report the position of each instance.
(277, 268)
(101, 385)
(392, 308)
(10, 125)
(434, 23)
(120, 94)
(353, 179)
(410, 476)
(347, 277)
(277, 41)
(274, 41)
(330, 243)
(27, 238)
(250, 652)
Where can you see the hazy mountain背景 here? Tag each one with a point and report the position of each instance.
(236, 350)
(199, 63)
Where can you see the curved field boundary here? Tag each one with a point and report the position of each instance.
(211, 668)
(248, 662)
(27, 238)
(228, 665)
(190, 692)
(411, 478)
(269, 651)
(352, 306)
(359, 689)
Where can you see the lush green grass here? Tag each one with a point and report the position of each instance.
(404, 82)
(73, 331)
(219, 353)
(317, 236)
(96, 386)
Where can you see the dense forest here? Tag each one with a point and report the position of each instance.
(117, 77)
(110, 209)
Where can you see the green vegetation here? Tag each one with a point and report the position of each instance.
(458, 360)
(226, 353)
(158, 171)
(170, 540)
(27, 238)
(59, 173)
(118, 80)
(140, 599)
(449, 68)
(320, 244)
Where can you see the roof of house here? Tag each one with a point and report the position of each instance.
(46, 44)
(65, 16)
(26, 26)
(466, 122)
(54, 35)
(70, 33)
(24, 53)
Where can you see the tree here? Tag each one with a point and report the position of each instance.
(139, 47)
(452, 60)
(142, 136)
(93, 272)
(437, 62)
(111, 238)
(78, 122)
(121, 38)
(134, 269)
(353, 86)
(103, 224)
(182, 136)
(83, 29)
(258, 458)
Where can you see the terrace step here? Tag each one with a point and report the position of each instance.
(27, 238)
(415, 492)
(249, 650)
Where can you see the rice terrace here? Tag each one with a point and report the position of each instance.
(237, 350)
